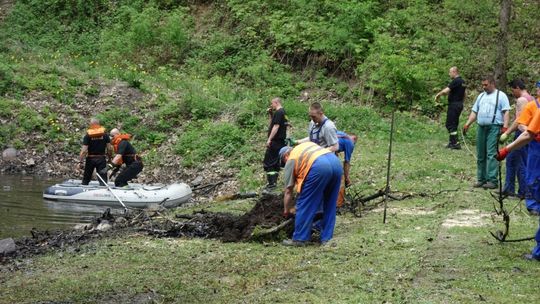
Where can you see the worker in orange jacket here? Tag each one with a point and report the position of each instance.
(316, 173)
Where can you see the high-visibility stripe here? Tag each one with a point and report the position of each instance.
(304, 155)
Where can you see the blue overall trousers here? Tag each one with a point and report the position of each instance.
(532, 174)
(320, 188)
(516, 164)
(532, 197)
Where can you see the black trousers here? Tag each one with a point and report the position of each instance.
(128, 173)
(452, 116)
(271, 162)
(94, 163)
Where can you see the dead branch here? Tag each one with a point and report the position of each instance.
(269, 231)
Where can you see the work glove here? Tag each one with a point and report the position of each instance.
(113, 167)
(503, 130)
(291, 141)
(502, 154)
(503, 137)
(465, 129)
(287, 215)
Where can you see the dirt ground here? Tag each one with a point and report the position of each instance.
(231, 228)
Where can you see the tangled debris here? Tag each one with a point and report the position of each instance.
(266, 214)
(260, 222)
(44, 241)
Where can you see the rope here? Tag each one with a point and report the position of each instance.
(465, 144)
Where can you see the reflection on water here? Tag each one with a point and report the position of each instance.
(23, 208)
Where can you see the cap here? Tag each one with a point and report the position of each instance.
(282, 152)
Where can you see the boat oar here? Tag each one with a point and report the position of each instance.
(119, 200)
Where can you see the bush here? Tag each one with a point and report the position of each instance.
(29, 119)
(114, 117)
(6, 78)
(202, 140)
(8, 106)
(151, 36)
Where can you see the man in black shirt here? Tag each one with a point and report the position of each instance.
(456, 96)
(277, 132)
(96, 143)
(125, 153)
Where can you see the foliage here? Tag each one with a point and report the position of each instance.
(114, 117)
(202, 140)
(6, 78)
(150, 36)
(201, 63)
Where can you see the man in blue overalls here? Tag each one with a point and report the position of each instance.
(315, 172)
(530, 117)
(516, 161)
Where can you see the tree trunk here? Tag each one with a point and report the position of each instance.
(502, 43)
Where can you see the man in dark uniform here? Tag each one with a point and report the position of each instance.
(456, 96)
(96, 143)
(125, 153)
(277, 132)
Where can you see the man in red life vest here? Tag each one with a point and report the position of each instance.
(125, 153)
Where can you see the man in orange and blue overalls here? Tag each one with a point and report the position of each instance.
(316, 173)
(530, 117)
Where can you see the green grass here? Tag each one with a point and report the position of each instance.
(415, 257)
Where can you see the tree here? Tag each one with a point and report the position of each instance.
(502, 46)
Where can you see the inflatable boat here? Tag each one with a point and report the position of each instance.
(134, 195)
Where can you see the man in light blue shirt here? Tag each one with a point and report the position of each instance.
(491, 111)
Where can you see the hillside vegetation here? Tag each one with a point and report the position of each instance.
(195, 77)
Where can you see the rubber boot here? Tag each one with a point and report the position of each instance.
(454, 143)
(449, 142)
(271, 177)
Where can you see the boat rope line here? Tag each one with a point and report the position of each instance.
(465, 144)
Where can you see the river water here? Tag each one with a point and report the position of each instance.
(23, 208)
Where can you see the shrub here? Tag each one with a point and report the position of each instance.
(6, 78)
(151, 35)
(29, 119)
(202, 140)
(115, 116)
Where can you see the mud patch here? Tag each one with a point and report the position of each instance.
(227, 227)
(69, 240)
(466, 218)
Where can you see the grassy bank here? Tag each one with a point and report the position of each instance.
(433, 249)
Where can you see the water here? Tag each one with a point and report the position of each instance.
(23, 208)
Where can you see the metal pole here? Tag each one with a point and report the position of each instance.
(387, 189)
(114, 194)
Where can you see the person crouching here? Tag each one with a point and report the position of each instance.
(125, 153)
